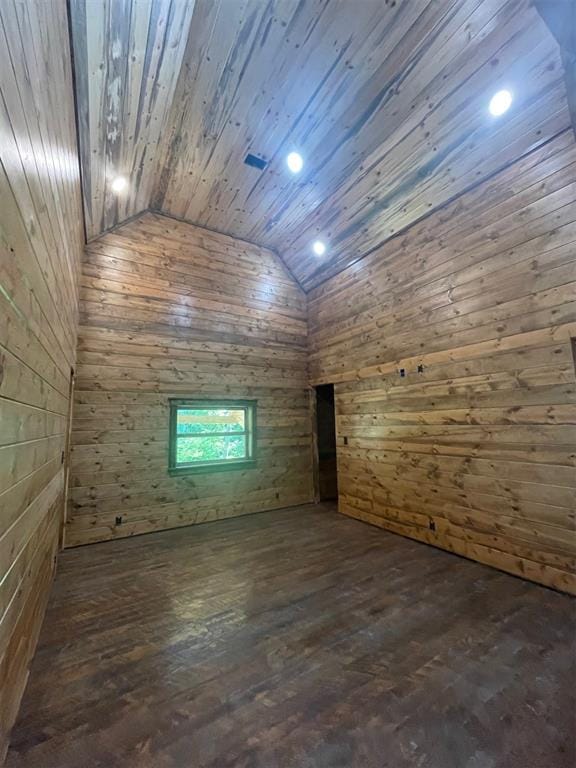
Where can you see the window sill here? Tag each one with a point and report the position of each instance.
(208, 469)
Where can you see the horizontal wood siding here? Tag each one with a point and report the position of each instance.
(172, 310)
(475, 450)
(41, 241)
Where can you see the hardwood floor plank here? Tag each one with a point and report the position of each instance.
(294, 638)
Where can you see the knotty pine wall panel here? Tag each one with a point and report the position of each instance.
(173, 310)
(41, 242)
(476, 452)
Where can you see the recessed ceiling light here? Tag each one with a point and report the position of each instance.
(500, 103)
(319, 248)
(295, 162)
(119, 184)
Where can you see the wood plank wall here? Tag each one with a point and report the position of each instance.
(169, 309)
(476, 453)
(41, 241)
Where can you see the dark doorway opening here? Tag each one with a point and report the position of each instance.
(326, 435)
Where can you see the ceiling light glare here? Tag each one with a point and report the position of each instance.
(295, 162)
(500, 103)
(319, 248)
(119, 184)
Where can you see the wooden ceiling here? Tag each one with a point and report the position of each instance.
(387, 100)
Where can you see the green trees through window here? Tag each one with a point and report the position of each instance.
(206, 434)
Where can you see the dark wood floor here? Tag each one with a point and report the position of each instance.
(296, 639)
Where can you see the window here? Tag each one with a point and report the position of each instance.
(206, 434)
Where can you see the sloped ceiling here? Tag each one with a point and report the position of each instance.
(385, 99)
(560, 16)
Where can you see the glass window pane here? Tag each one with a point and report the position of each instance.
(198, 421)
(210, 448)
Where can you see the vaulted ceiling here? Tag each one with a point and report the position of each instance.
(385, 99)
